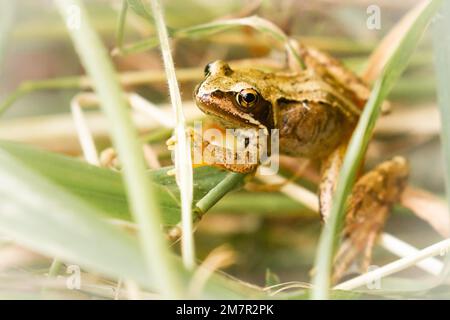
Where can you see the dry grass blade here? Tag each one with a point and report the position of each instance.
(183, 159)
(139, 189)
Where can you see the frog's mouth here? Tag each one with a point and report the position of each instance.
(222, 106)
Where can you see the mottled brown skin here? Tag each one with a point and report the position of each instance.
(311, 129)
(313, 116)
(315, 111)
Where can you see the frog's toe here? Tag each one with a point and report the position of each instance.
(171, 142)
(354, 255)
(172, 172)
(109, 159)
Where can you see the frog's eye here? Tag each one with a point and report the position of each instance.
(247, 98)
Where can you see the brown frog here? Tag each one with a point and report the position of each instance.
(315, 111)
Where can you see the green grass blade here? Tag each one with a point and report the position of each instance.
(139, 190)
(209, 29)
(441, 42)
(358, 144)
(140, 9)
(121, 24)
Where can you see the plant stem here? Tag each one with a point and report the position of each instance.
(121, 24)
(82, 82)
(215, 194)
(183, 161)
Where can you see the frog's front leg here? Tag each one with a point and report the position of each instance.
(330, 169)
(369, 205)
(208, 153)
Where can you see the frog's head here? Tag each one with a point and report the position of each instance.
(236, 97)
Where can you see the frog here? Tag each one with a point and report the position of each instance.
(315, 111)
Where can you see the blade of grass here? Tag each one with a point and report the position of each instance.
(183, 160)
(441, 43)
(140, 9)
(262, 25)
(397, 62)
(139, 190)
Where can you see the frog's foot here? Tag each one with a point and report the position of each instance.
(109, 159)
(369, 205)
(349, 252)
(191, 134)
(194, 138)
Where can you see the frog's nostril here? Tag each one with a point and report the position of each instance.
(207, 70)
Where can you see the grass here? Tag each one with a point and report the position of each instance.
(212, 28)
(51, 220)
(65, 206)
